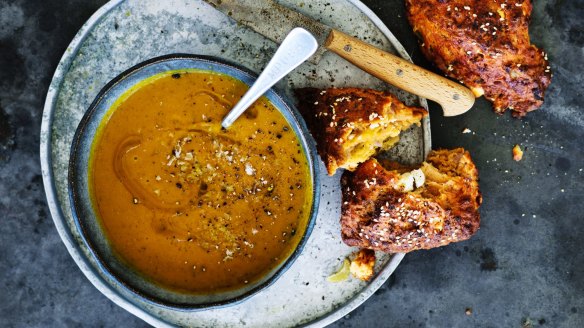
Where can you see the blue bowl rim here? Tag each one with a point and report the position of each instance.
(305, 136)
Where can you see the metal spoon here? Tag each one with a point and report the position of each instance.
(296, 48)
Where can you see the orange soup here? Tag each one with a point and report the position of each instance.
(188, 205)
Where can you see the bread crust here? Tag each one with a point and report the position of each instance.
(337, 117)
(485, 45)
(377, 214)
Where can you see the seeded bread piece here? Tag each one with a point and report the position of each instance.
(486, 45)
(395, 210)
(350, 125)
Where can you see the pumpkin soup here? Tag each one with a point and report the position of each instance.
(193, 207)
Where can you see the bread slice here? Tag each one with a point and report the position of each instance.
(485, 45)
(397, 209)
(350, 125)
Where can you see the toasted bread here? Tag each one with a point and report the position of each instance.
(350, 125)
(385, 206)
(484, 44)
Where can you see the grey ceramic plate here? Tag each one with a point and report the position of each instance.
(124, 33)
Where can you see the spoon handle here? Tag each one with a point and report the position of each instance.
(296, 48)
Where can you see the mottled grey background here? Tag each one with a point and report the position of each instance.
(525, 267)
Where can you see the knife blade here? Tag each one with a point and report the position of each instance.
(274, 21)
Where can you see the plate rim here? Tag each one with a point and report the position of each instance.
(69, 241)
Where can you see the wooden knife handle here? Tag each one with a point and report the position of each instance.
(454, 98)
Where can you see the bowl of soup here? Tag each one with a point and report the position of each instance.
(177, 210)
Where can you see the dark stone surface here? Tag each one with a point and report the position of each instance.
(525, 267)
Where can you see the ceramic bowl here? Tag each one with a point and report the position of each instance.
(85, 215)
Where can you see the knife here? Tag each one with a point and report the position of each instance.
(274, 21)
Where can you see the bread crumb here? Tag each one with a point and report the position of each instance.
(517, 153)
(362, 265)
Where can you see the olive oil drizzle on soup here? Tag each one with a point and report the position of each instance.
(190, 206)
